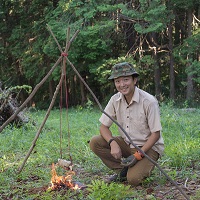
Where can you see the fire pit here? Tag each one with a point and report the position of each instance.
(65, 181)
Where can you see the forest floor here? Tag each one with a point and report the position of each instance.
(180, 161)
(152, 190)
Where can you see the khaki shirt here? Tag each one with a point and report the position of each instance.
(139, 119)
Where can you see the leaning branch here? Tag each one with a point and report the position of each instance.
(42, 125)
(31, 95)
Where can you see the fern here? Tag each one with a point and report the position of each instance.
(100, 190)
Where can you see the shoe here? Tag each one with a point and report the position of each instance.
(112, 178)
(123, 172)
(121, 177)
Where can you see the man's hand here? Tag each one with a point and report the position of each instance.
(115, 150)
(132, 159)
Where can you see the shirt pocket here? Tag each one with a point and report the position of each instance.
(139, 122)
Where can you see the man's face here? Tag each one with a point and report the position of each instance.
(125, 85)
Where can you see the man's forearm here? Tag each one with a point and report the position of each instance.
(151, 141)
(105, 132)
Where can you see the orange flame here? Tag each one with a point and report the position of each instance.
(58, 182)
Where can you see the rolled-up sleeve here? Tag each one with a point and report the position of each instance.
(109, 109)
(153, 115)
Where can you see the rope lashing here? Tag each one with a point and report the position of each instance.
(64, 54)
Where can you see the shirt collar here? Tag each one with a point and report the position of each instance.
(136, 95)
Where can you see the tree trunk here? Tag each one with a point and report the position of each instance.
(55, 3)
(51, 89)
(172, 77)
(190, 88)
(72, 94)
(157, 76)
(51, 83)
(83, 93)
(157, 79)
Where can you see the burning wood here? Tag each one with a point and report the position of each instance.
(65, 164)
(59, 182)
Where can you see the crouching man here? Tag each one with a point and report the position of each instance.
(138, 113)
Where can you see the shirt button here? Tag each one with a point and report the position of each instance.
(127, 127)
(127, 116)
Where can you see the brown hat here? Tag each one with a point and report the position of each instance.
(122, 69)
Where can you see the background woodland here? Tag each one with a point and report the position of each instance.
(160, 37)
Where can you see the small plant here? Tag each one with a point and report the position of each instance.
(100, 190)
(197, 196)
(89, 104)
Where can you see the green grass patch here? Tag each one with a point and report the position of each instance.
(181, 131)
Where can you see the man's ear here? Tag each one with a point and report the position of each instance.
(135, 79)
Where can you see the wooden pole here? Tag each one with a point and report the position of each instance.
(63, 75)
(42, 125)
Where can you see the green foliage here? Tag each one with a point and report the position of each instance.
(184, 4)
(197, 196)
(151, 28)
(103, 70)
(108, 30)
(186, 55)
(151, 16)
(189, 46)
(194, 69)
(183, 125)
(100, 190)
(16, 90)
(93, 42)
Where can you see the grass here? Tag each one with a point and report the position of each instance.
(181, 131)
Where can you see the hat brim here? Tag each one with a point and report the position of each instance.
(113, 76)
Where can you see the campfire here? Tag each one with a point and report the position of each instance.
(65, 181)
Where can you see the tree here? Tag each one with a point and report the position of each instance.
(161, 39)
(186, 50)
(23, 38)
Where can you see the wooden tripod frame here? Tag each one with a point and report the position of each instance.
(65, 58)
